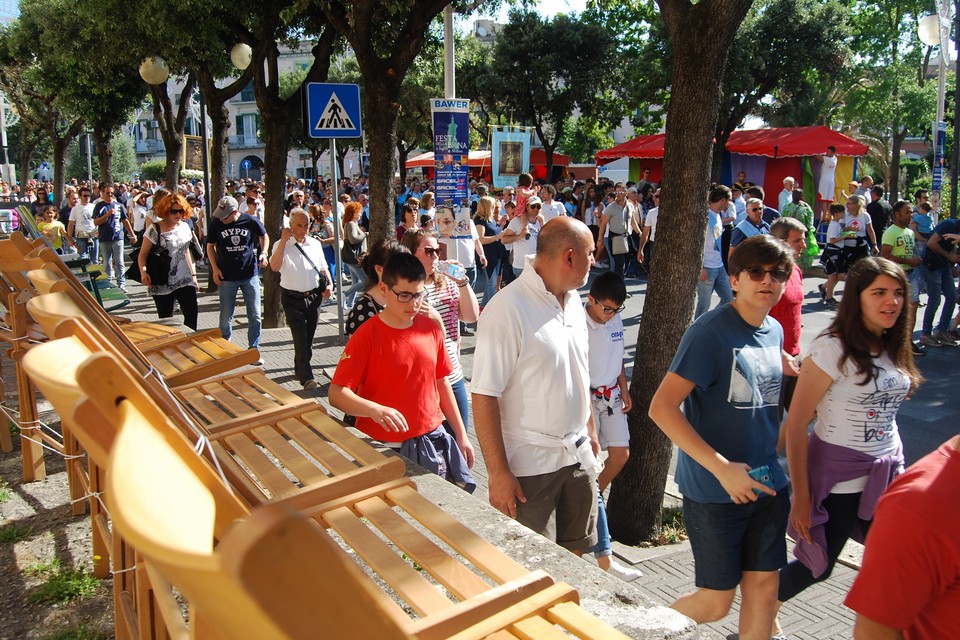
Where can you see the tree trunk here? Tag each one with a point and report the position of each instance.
(702, 35)
(275, 124)
(894, 192)
(719, 150)
(220, 119)
(101, 140)
(28, 143)
(171, 125)
(381, 98)
(60, 141)
(60, 146)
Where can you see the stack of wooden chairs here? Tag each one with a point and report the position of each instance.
(180, 359)
(266, 515)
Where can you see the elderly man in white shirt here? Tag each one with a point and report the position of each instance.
(304, 284)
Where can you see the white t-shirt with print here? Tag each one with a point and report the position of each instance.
(855, 416)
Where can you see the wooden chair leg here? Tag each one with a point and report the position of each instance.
(72, 451)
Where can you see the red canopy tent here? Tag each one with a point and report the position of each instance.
(776, 153)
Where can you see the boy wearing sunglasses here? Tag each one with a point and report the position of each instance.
(726, 376)
(392, 376)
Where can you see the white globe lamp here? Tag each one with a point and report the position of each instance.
(241, 55)
(929, 30)
(154, 70)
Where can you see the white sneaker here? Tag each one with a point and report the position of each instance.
(627, 574)
(602, 265)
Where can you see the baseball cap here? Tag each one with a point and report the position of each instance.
(534, 200)
(226, 206)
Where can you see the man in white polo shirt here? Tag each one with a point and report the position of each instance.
(531, 392)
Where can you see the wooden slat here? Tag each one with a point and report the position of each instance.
(317, 447)
(240, 480)
(202, 406)
(422, 596)
(243, 423)
(459, 580)
(338, 434)
(264, 471)
(194, 352)
(574, 619)
(250, 393)
(294, 461)
(161, 364)
(174, 357)
(536, 628)
(530, 606)
(501, 635)
(259, 380)
(478, 551)
(227, 400)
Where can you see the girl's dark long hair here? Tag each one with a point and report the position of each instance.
(859, 345)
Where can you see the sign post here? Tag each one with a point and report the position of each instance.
(333, 111)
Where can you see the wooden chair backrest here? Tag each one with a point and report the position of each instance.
(269, 576)
(60, 316)
(44, 258)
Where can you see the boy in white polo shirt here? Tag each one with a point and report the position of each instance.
(611, 399)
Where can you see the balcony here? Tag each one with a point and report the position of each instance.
(150, 146)
(244, 142)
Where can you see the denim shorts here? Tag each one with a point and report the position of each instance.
(728, 539)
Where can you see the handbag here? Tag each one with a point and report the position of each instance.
(619, 244)
(158, 267)
(350, 253)
(196, 251)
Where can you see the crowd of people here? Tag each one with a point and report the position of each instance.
(549, 395)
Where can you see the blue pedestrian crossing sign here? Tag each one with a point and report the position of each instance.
(333, 110)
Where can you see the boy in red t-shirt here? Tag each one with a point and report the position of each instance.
(392, 374)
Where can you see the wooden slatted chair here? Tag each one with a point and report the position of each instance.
(271, 442)
(18, 255)
(277, 575)
(179, 359)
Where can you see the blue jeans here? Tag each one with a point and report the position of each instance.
(718, 281)
(88, 248)
(113, 259)
(603, 546)
(460, 393)
(357, 281)
(228, 303)
(490, 283)
(939, 282)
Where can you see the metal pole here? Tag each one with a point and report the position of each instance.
(336, 237)
(955, 163)
(89, 164)
(6, 172)
(449, 69)
(208, 216)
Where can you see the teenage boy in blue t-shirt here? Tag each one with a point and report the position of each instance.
(726, 375)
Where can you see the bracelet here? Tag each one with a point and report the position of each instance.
(463, 285)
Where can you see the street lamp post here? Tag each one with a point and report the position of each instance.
(934, 31)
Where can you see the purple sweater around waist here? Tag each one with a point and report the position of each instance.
(828, 464)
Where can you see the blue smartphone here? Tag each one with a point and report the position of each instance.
(761, 475)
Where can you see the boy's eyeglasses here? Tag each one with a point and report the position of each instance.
(757, 274)
(406, 296)
(611, 310)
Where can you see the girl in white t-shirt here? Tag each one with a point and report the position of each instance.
(856, 375)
